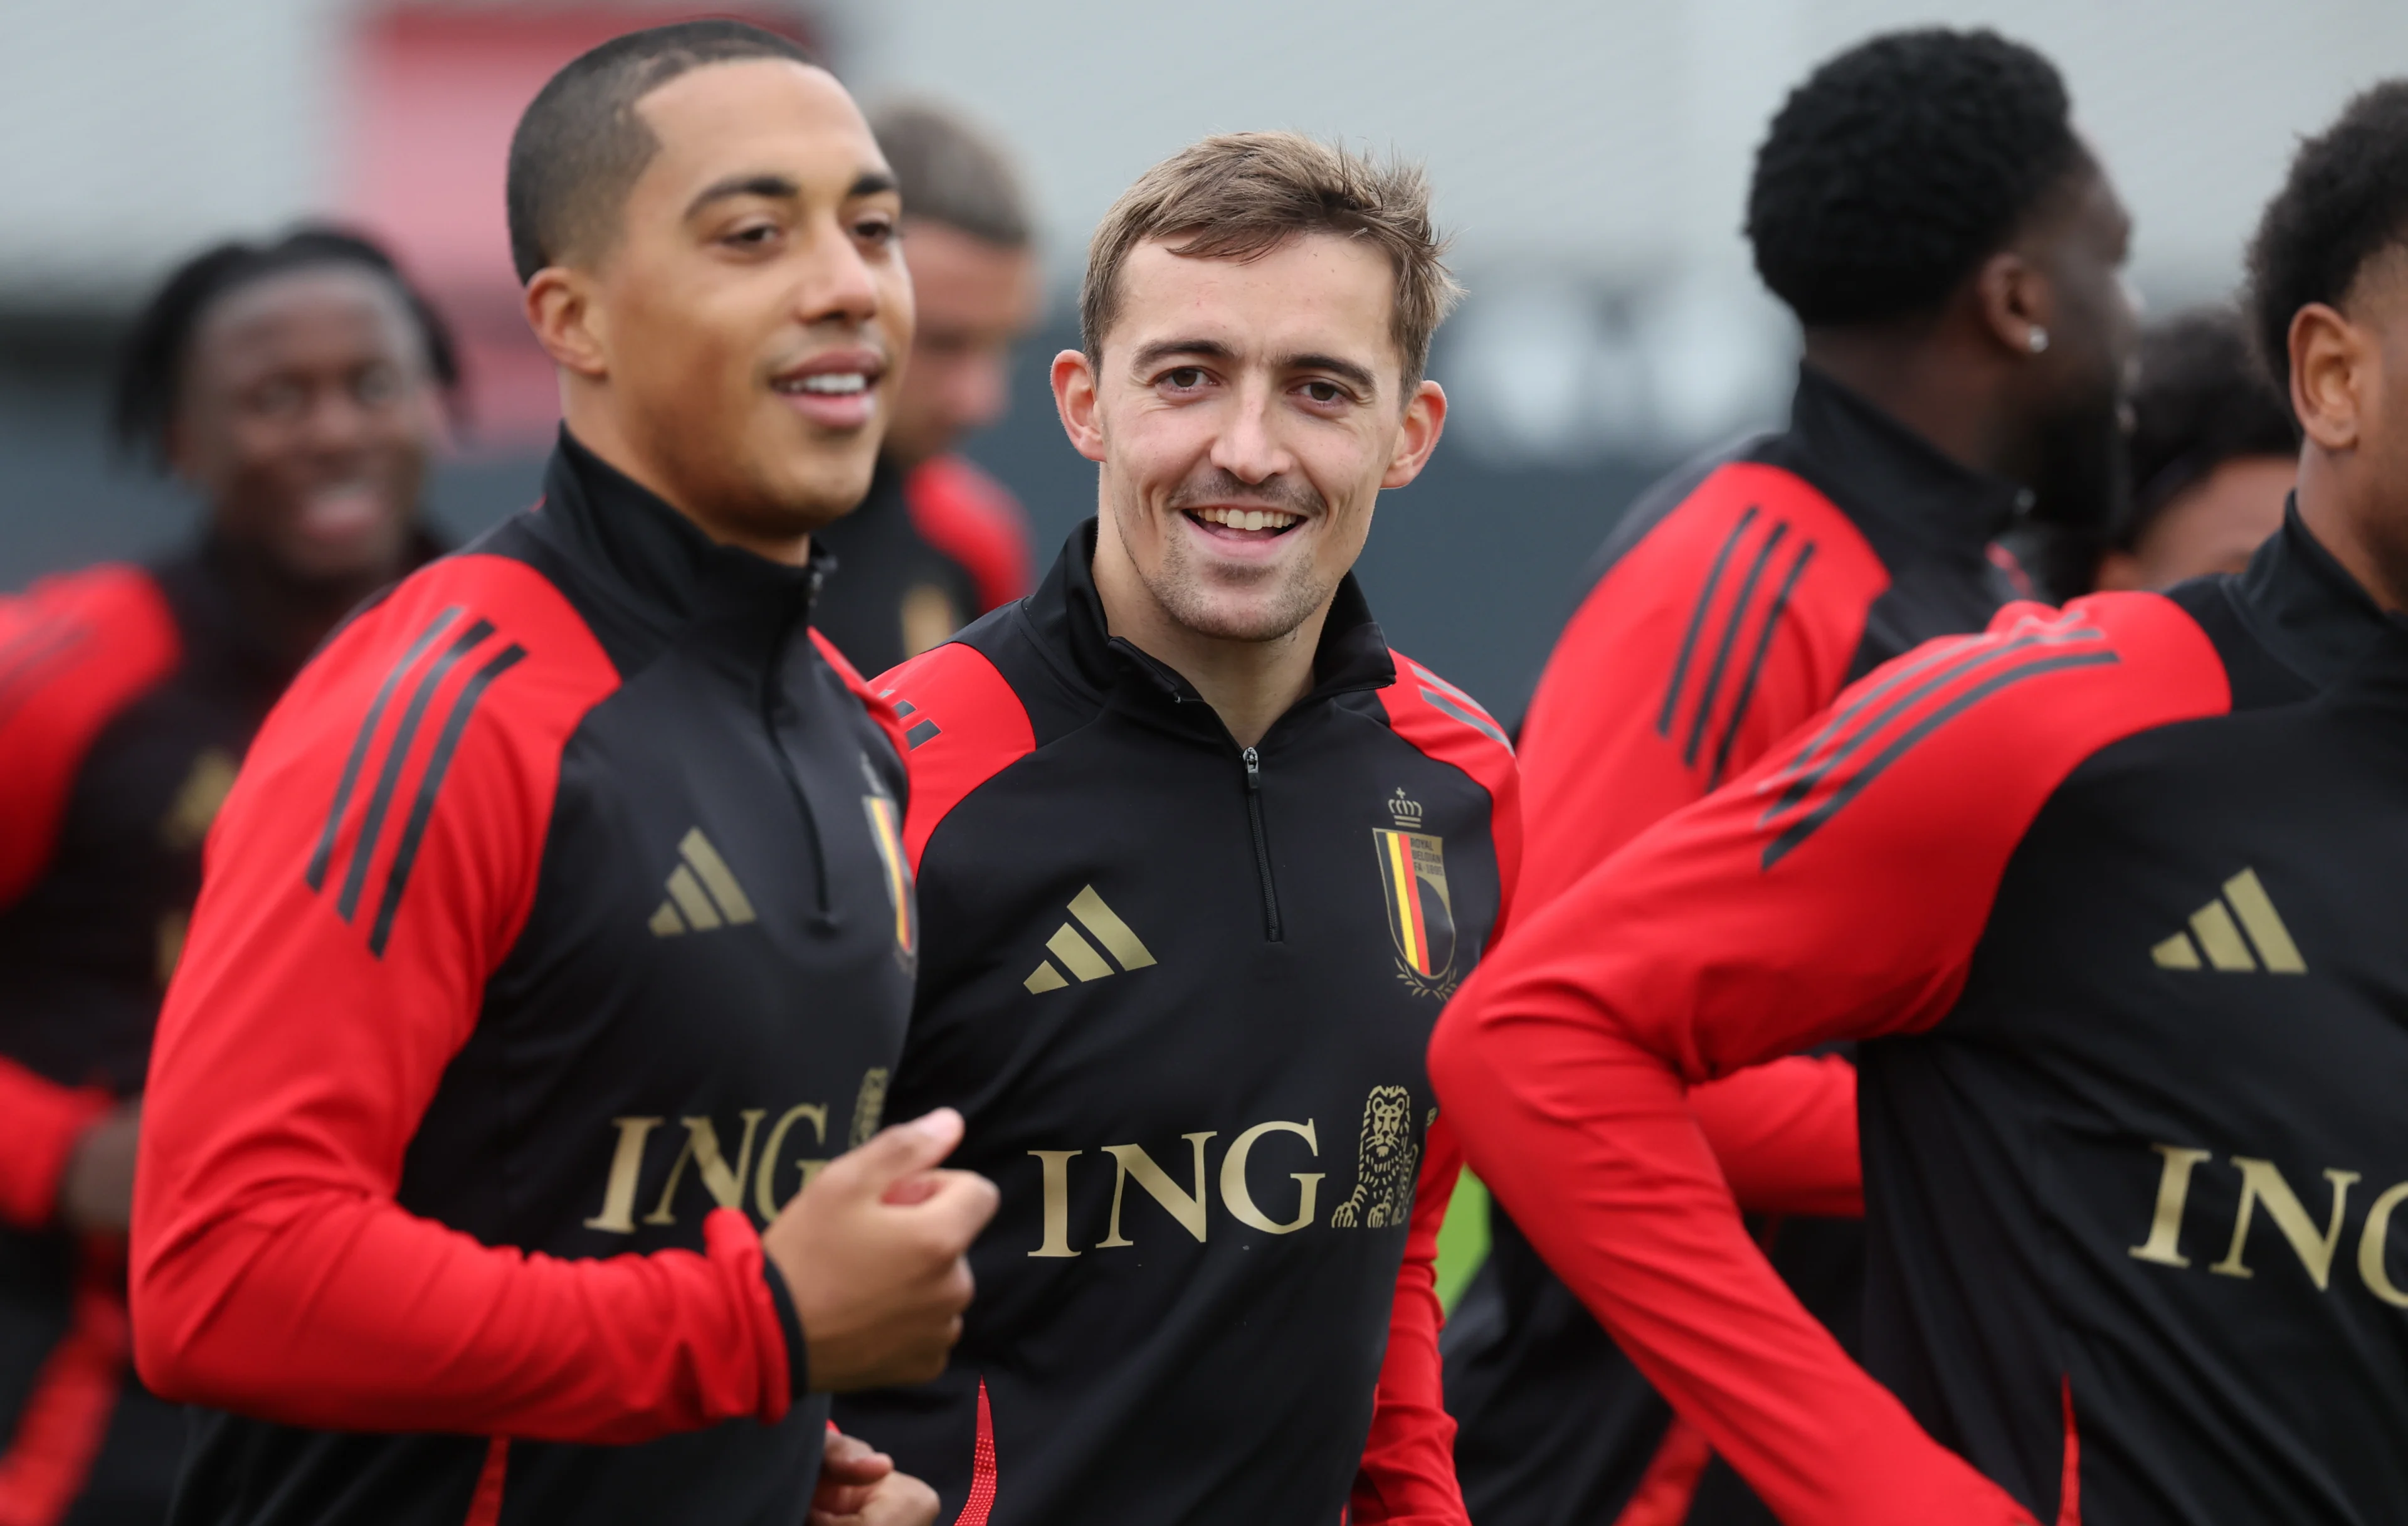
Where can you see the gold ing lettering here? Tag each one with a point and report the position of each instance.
(2261, 1181)
(762, 1197)
(1240, 1202)
(1184, 1206)
(2164, 1244)
(626, 1163)
(2373, 1242)
(702, 1148)
(1056, 1164)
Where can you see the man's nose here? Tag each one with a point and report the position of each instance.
(838, 283)
(1248, 446)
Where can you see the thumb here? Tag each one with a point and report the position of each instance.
(892, 1154)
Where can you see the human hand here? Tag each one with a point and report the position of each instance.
(874, 1253)
(96, 1189)
(859, 1487)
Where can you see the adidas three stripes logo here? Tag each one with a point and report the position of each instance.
(360, 826)
(2216, 930)
(1079, 956)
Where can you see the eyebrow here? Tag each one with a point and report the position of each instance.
(869, 182)
(1360, 378)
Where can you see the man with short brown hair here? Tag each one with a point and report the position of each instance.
(1199, 860)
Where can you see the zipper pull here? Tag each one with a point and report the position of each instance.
(1253, 770)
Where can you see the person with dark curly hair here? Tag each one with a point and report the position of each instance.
(1951, 247)
(2109, 898)
(298, 387)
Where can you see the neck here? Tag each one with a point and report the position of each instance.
(1926, 383)
(2334, 509)
(1248, 684)
(290, 616)
(600, 431)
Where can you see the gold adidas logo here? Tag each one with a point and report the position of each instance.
(2217, 928)
(1080, 955)
(703, 893)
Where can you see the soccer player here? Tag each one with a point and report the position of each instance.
(2214, 450)
(938, 542)
(1923, 204)
(297, 386)
(2112, 896)
(1200, 859)
(557, 931)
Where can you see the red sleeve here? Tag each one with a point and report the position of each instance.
(74, 652)
(1448, 725)
(372, 866)
(1835, 891)
(881, 708)
(1408, 1473)
(975, 520)
(1727, 624)
(1784, 1135)
(962, 725)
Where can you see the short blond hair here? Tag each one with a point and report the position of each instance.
(1240, 196)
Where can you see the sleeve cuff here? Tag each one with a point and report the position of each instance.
(40, 1139)
(790, 1324)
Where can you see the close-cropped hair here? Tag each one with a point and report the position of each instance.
(2344, 202)
(157, 348)
(951, 173)
(1901, 165)
(2200, 398)
(1241, 195)
(580, 146)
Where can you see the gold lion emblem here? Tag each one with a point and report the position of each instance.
(1384, 1164)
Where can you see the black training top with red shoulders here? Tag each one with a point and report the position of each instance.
(2113, 896)
(557, 926)
(128, 695)
(1732, 602)
(931, 547)
(1182, 991)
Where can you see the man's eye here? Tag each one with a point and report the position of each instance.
(1183, 378)
(377, 386)
(877, 230)
(755, 235)
(1324, 392)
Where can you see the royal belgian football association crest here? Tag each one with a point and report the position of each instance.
(1421, 917)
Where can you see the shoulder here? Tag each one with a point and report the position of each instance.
(1972, 731)
(75, 652)
(974, 519)
(1447, 723)
(963, 724)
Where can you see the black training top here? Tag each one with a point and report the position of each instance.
(556, 929)
(1180, 990)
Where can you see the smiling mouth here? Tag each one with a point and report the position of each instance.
(825, 384)
(1275, 522)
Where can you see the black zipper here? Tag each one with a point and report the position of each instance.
(772, 689)
(1262, 844)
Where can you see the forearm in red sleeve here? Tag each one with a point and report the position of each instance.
(1408, 1473)
(39, 1124)
(1786, 1136)
(273, 1273)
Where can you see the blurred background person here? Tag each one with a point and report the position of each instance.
(2214, 450)
(1953, 251)
(298, 387)
(938, 542)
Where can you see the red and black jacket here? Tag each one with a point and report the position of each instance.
(2111, 898)
(1732, 602)
(928, 551)
(128, 695)
(557, 926)
(1182, 991)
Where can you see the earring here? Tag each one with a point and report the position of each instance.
(2036, 341)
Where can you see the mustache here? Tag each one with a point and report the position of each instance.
(1215, 486)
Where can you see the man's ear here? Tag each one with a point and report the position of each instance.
(2331, 364)
(1424, 421)
(567, 321)
(2015, 300)
(1074, 399)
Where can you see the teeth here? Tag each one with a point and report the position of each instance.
(834, 384)
(1249, 519)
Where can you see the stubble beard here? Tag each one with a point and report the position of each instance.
(1269, 604)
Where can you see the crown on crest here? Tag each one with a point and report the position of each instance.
(1408, 814)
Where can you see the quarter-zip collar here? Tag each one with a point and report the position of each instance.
(2307, 609)
(658, 565)
(1903, 492)
(1069, 614)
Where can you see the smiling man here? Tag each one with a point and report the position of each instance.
(1200, 858)
(557, 941)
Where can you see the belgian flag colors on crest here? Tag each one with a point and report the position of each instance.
(1421, 918)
